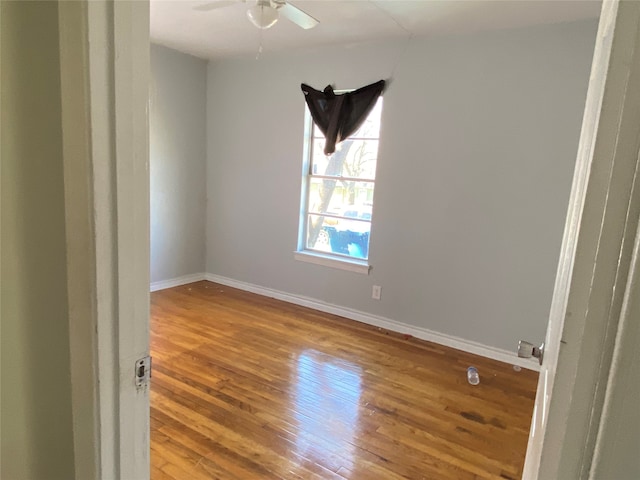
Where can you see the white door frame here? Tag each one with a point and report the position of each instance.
(104, 60)
(595, 259)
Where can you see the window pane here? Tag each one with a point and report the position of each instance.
(335, 197)
(339, 191)
(342, 236)
(352, 158)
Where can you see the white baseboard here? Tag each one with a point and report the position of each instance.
(176, 282)
(382, 322)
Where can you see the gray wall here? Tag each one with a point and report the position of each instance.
(37, 440)
(478, 144)
(177, 123)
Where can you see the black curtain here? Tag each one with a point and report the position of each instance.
(338, 116)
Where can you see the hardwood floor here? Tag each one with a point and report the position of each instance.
(248, 387)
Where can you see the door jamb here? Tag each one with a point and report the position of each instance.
(103, 52)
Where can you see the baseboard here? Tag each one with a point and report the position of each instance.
(382, 322)
(176, 282)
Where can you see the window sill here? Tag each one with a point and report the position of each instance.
(356, 266)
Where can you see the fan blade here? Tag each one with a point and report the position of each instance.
(213, 5)
(297, 16)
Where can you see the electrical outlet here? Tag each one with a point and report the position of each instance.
(376, 292)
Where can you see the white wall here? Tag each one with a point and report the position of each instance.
(478, 143)
(37, 437)
(177, 144)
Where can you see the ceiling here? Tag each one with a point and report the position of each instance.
(226, 32)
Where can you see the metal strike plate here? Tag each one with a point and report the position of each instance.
(143, 371)
(528, 350)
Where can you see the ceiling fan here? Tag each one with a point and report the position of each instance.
(265, 13)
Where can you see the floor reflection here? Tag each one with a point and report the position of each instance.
(327, 396)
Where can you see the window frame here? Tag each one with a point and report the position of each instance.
(319, 257)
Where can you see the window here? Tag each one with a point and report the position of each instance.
(338, 192)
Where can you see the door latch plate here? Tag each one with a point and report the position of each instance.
(143, 371)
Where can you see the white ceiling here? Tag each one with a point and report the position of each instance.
(225, 32)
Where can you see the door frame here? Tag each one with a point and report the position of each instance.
(104, 68)
(596, 257)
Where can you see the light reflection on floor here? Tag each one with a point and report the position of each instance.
(327, 395)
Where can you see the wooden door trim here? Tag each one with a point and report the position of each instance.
(104, 52)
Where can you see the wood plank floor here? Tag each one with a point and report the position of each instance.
(247, 387)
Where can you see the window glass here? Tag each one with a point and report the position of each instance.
(339, 191)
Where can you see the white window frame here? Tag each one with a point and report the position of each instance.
(327, 259)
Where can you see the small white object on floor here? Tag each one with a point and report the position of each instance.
(472, 376)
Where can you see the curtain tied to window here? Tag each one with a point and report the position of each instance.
(338, 116)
